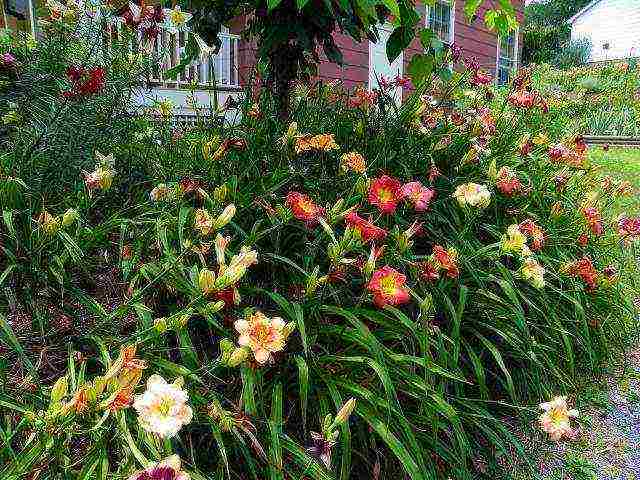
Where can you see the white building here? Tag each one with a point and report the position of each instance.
(612, 26)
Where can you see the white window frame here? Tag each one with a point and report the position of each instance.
(452, 19)
(516, 52)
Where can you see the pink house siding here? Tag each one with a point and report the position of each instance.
(474, 39)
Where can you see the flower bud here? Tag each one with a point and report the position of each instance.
(492, 172)
(226, 350)
(220, 193)
(220, 246)
(59, 390)
(69, 217)
(214, 307)
(238, 356)
(160, 324)
(225, 217)
(345, 412)
(206, 282)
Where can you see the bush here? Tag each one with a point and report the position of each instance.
(380, 285)
(575, 54)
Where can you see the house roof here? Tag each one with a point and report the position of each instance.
(583, 11)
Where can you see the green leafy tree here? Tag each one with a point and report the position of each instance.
(290, 33)
(546, 30)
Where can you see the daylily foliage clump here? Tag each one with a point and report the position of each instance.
(361, 291)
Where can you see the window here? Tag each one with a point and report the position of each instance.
(507, 57)
(440, 19)
(19, 15)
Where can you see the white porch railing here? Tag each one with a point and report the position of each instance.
(220, 69)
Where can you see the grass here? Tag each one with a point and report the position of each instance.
(622, 164)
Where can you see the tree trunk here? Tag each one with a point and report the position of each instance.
(283, 69)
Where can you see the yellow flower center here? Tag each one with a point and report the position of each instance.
(178, 17)
(165, 406)
(385, 195)
(388, 285)
(558, 416)
(261, 333)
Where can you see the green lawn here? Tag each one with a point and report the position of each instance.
(622, 164)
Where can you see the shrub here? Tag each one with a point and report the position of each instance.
(365, 291)
(573, 54)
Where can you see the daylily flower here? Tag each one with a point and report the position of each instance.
(50, 224)
(162, 408)
(175, 19)
(533, 272)
(388, 287)
(515, 241)
(556, 419)
(254, 112)
(480, 78)
(168, 469)
(594, 220)
(562, 154)
(508, 183)
(320, 143)
(367, 231)
(473, 195)
(629, 229)
(120, 400)
(353, 162)
(84, 81)
(446, 260)
(487, 121)
(304, 208)
(79, 403)
(417, 194)
(160, 193)
(203, 222)
(584, 269)
(321, 447)
(384, 193)
(263, 335)
(533, 231)
(7, 60)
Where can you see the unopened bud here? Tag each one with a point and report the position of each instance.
(59, 390)
(206, 281)
(69, 217)
(238, 356)
(345, 412)
(225, 217)
(160, 324)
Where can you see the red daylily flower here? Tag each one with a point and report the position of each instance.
(384, 193)
(367, 230)
(84, 82)
(387, 286)
(530, 229)
(508, 182)
(304, 208)
(445, 261)
(594, 220)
